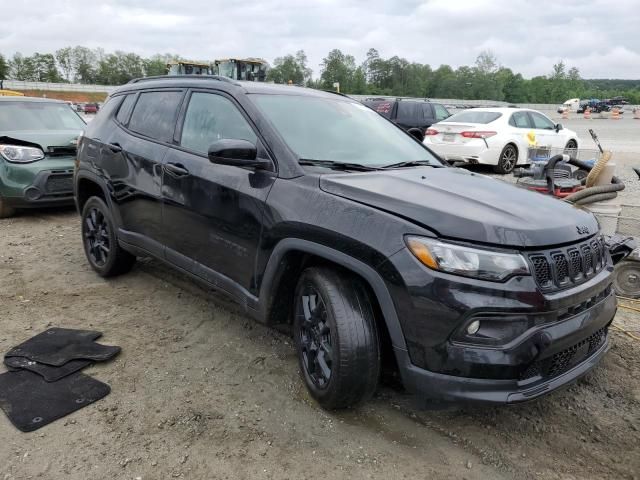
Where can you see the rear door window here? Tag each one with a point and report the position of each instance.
(125, 108)
(409, 113)
(210, 118)
(427, 111)
(155, 114)
(520, 120)
(441, 112)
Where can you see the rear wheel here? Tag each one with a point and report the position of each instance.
(100, 242)
(5, 210)
(336, 338)
(507, 160)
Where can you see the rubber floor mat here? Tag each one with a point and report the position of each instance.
(58, 346)
(31, 403)
(49, 373)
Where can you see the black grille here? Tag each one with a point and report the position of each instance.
(62, 151)
(564, 267)
(564, 360)
(59, 184)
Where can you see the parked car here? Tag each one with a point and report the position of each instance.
(412, 115)
(91, 108)
(37, 153)
(596, 106)
(317, 214)
(496, 136)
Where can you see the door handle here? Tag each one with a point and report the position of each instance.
(114, 147)
(176, 169)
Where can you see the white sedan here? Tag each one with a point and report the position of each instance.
(496, 136)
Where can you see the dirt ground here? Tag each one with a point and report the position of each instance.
(202, 392)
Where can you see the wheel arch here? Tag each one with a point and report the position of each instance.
(87, 186)
(291, 256)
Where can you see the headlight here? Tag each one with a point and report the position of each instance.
(19, 154)
(467, 261)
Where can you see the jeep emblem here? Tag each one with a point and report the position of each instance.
(582, 230)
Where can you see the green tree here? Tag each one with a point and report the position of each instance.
(64, 57)
(84, 61)
(4, 68)
(338, 67)
(290, 68)
(157, 64)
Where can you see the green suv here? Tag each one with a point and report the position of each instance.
(38, 140)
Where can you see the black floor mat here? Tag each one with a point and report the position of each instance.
(49, 373)
(31, 403)
(57, 346)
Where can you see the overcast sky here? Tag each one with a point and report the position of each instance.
(600, 37)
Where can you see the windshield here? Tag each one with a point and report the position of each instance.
(226, 69)
(474, 117)
(341, 131)
(17, 116)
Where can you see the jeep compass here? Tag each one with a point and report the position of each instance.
(313, 211)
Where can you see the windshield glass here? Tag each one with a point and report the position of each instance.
(337, 130)
(226, 68)
(17, 116)
(471, 116)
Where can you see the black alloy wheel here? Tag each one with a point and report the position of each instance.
(96, 237)
(100, 243)
(336, 337)
(315, 337)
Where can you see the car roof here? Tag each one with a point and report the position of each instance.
(29, 99)
(223, 83)
(498, 109)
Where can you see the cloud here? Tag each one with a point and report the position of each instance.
(597, 36)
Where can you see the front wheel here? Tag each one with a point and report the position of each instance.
(101, 246)
(336, 338)
(507, 160)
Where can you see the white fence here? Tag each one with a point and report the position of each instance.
(60, 87)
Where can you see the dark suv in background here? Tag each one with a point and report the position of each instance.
(414, 116)
(314, 212)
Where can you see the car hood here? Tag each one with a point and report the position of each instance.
(43, 138)
(457, 204)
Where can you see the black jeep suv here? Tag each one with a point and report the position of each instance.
(312, 210)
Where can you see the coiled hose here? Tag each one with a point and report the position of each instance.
(599, 193)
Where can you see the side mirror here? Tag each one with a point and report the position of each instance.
(237, 153)
(417, 133)
(558, 127)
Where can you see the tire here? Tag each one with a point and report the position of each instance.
(507, 159)
(571, 147)
(5, 210)
(100, 243)
(336, 338)
(626, 279)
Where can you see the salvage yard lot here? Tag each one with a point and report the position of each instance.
(202, 391)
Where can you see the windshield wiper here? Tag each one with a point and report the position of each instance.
(413, 163)
(336, 165)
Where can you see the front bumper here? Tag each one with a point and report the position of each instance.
(496, 392)
(568, 337)
(44, 189)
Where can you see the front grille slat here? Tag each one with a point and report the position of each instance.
(569, 266)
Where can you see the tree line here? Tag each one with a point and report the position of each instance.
(486, 79)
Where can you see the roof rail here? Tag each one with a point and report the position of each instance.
(180, 77)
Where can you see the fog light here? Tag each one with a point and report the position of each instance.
(473, 327)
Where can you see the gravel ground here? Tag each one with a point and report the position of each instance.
(200, 391)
